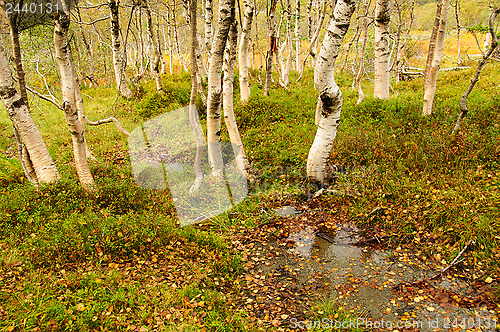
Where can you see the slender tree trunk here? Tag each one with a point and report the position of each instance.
(43, 165)
(176, 38)
(459, 30)
(244, 50)
(209, 16)
(154, 50)
(314, 38)
(297, 36)
(227, 102)
(435, 55)
(169, 39)
(272, 47)
(193, 114)
(364, 33)
(494, 43)
(382, 18)
(226, 16)
(12, 18)
(68, 86)
(118, 65)
(288, 42)
(329, 92)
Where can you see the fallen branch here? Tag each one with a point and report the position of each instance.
(454, 68)
(455, 261)
(108, 120)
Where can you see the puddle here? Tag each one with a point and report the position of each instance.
(286, 211)
(364, 280)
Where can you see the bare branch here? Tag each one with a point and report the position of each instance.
(108, 120)
(44, 97)
(93, 22)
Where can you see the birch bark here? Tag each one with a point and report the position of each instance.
(43, 165)
(227, 102)
(118, 64)
(329, 92)
(154, 51)
(226, 16)
(435, 56)
(382, 19)
(68, 86)
(272, 47)
(244, 50)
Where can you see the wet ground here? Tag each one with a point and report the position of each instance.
(310, 255)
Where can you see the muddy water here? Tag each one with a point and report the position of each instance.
(363, 280)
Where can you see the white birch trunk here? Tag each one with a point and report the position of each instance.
(194, 120)
(272, 47)
(155, 52)
(329, 92)
(43, 165)
(209, 16)
(68, 86)
(226, 16)
(244, 48)
(297, 36)
(227, 102)
(432, 69)
(382, 19)
(118, 66)
(364, 33)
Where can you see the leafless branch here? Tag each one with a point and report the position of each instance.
(455, 261)
(94, 21)
(44, 97)
(108, 120)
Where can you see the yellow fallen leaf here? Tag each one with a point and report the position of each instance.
(488, 280)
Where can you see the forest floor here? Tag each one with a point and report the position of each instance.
(408, 199)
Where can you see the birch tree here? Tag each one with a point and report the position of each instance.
(17, 108)
(154, 50)
(329, 92)
(227, 102)
(244, 48)
(297, 36)
(272, 46)
(382, 52)
(118, 62)
(226, 16)
(364, 34)
(435, 55)
(464, 109)
(193, 114)
(68, 86)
